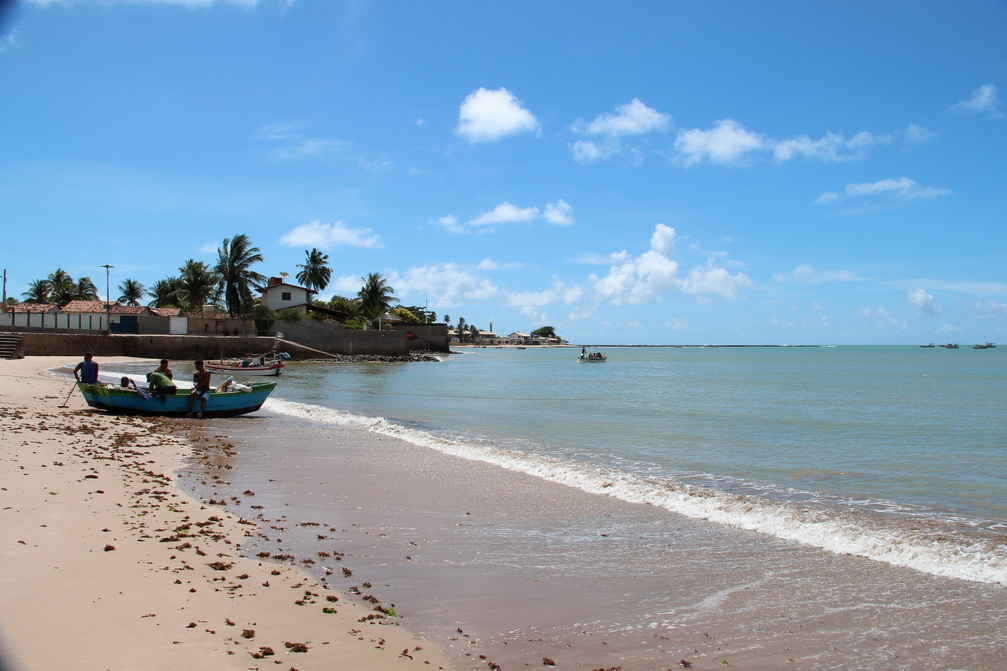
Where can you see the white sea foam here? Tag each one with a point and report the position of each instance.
(944, 554)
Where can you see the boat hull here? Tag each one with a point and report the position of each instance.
(256, 371)
(220, 404)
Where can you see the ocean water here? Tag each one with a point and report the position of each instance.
(897, 454)
(812, 508)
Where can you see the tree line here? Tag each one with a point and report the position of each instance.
(231, 284)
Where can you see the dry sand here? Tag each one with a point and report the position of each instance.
(104, 564)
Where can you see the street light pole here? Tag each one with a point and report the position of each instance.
(108, 297)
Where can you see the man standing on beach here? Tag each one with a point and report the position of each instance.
(87, 370)
(200, 388)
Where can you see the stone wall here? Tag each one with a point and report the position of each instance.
(299, 339)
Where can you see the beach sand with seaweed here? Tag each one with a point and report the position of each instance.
(106, 564)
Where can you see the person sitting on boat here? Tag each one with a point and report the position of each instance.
(165, 370)
(87, 370)
(200, 388)
(127, 382)
(160, 383)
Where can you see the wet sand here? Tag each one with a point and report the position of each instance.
(506, 569)
(502, 569)
(105, 564)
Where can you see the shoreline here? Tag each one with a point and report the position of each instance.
(108, 563)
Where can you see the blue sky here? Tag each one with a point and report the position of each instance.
(630, 173)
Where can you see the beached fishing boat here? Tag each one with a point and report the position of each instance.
(253, 364)
(143, 402)
(593, 356)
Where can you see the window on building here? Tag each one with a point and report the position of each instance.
(284, 295)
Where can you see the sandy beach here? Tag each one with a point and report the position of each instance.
(107, 565)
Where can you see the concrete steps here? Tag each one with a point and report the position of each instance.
(10, 346)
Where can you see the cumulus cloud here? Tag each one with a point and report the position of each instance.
(326, 236)
(445, 285)
(505, 213)
(559, 213)
(630, 119)
(982, 101)
(727, 142)
(487, 116)
(902, 187)
(632, 280)
(558, 293)
(922, 302)
(633, 118)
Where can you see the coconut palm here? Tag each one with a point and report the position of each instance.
(375, 296)
(234, 259)
(85, 290)
(198, 284)
(38, 292)
(62, 288)
(316, 271)
(132, 292)
(166, 293)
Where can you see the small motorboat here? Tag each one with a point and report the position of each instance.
(238, 400)
(592, 356)
(251, 364)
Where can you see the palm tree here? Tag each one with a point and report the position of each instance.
(38, 292)
(316, 271)
(234, 259)
(62, 288)
(198, 284)
(85, 290)
(375, 296)
(166, 293)
(132, 292)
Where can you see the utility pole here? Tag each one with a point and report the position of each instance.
(108, 297)
(5, 290)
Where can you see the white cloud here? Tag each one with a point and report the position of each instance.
(486, 116)
(727, 142)
(559, 213)
(922, 302)
(983, 100)
(806, 274)
(505, 213)
(559, 293)
(712, 279)
(632, 118)
(830, 148)
(444, 285)
(450, 223)
(325, 236)
(633, 280)
(903, 187)
(916, 134)
(587, 151)
(662, 240)
(296, 144)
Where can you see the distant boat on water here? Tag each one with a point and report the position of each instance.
(927, 346)
(988, 345)
(950, 345)
(592, 356)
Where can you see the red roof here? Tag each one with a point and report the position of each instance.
(84, 306)
(34, 308)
